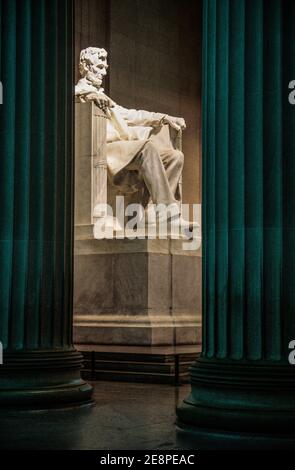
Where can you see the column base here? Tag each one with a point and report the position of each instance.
(240, 397)
(38, 379)
(190, 437)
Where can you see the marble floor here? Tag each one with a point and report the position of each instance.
(126, 416)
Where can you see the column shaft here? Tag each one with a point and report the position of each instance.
(243, 381)
(36, 199)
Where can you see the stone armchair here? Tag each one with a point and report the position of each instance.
(91, 176)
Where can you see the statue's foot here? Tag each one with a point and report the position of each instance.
(174, 227)
(156, 213)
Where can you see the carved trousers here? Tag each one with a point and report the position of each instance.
(160, 172)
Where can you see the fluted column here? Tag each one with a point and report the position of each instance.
(36, 205)
(243, 381)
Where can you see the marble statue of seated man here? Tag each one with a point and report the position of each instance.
(131, 138)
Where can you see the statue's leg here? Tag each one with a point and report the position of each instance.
(173, 162)
(150, 165)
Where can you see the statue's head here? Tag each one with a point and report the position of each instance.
(93, 65)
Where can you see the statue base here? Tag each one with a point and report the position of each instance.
(136, 292)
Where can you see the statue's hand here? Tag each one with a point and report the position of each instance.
(175, 122)
(101, 100)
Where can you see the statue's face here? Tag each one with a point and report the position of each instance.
(97, 69)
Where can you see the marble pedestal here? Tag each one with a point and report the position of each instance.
(136, 292)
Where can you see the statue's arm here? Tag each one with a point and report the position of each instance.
(98, 97)
(140, 117)
(146, 118)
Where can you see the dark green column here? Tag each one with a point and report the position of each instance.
(41, 367)
(242, 381)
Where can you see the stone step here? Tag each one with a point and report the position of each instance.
(138, 364)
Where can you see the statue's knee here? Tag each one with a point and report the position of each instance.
(150, 152)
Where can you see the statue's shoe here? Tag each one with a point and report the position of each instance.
(174, 228)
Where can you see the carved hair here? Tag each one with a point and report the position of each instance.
(86, 58)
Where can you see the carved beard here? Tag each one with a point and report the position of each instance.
(91, 77)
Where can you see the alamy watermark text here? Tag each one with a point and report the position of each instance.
(292, 94)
